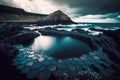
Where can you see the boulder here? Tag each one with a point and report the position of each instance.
(10, 29)
(24, 38)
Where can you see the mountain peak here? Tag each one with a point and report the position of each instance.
(58, 11)
(57, 17)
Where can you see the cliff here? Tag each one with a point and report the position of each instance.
(11, 14)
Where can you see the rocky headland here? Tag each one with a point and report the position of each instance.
(57, 17)
(11, 14)
(103, 58)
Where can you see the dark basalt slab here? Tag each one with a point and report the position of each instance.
(115, 36)
(23, 38)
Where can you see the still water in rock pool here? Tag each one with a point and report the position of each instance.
(60, 47)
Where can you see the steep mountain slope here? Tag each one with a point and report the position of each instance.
(57, 17)
(10, 14)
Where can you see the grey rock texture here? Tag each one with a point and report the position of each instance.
(58, 17)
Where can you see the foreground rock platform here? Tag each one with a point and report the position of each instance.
(102, 63)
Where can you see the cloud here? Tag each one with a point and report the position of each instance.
(78, 10)
(36, 6)
(107, 20)
(7, 2)
(92, 6)
(100, 18)
(82, 7)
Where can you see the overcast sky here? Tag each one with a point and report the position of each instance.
(78, 10)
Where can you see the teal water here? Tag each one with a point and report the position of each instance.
(105, 26)
(59, 46)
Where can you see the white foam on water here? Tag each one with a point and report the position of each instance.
(95, 32)
(66, 29)
(107, 28)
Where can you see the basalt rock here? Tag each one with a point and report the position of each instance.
(8, 52)
(115, 35)
(16, 34)
(10, 29)
(24, 38)
(7, 49)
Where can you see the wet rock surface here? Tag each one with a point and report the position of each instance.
(115, 35)
(107, 41)
(37, 64)
(8, 51)
(24, 37)
(16, 34)
(100, 64)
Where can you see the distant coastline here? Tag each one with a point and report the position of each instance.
(11, 14)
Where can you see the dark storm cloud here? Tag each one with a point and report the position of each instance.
(7, 2)
(92, 6)
(83, 7)
(105, 10)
